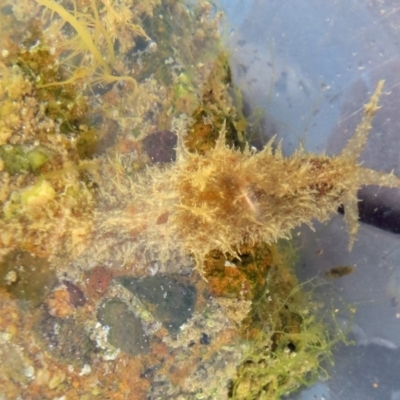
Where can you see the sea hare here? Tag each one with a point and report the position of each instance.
(227, 197)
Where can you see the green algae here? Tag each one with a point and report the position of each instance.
(18, 160)
(288, 344)
(65, 104)
(15, 159)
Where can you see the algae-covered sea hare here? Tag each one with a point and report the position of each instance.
(222, 199)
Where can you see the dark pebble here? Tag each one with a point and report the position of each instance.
(160, 146)
(170, 301)
(205, 339)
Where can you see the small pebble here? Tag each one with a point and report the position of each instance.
(29, 371)
(205, 339)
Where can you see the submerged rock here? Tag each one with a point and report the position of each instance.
(27, 278)
(64, 338)
(169, 300)
(125, 329)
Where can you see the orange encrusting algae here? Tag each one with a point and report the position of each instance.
(226, 198)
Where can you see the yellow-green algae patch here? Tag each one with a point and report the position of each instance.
(226, 197)
(284, 343)
(288, 346)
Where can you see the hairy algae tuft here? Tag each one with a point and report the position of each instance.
(226, 198)
(288, 345)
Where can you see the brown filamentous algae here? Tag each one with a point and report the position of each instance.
(226, 197)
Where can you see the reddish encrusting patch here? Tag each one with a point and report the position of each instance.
(98, 281)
